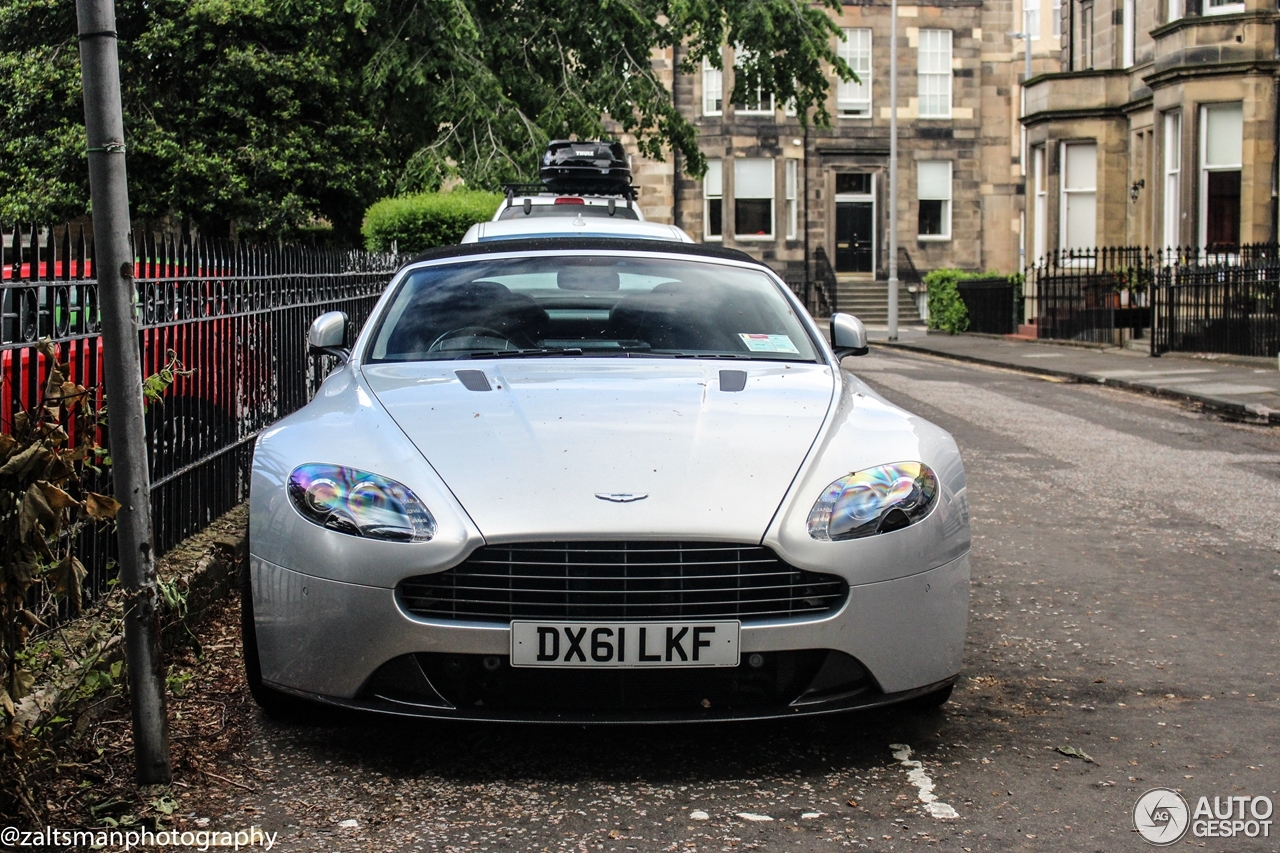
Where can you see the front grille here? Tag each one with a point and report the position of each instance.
(617, 581)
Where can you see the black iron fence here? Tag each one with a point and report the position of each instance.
(1224, 303)
(993, 303)
(1090, 294)
(814, 284)
(822, 280)
(1214, 300)
(230, 320)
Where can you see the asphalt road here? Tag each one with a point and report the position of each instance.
(1126, 589)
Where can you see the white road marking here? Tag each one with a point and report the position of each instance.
(1043, 355)
(752, 816)
(916, 776)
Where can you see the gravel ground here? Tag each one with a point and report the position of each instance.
(1125, 593)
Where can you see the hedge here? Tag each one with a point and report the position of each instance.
(946, 308)
(416, 222)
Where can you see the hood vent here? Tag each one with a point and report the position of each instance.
(473, 380)
(733, 380)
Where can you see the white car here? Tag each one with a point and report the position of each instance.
(573, 226)
(601, 480)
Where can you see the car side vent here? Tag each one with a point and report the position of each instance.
(733, 380)
(473, 380)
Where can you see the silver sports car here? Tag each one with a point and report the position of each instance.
(601, 480)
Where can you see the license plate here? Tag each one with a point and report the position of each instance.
(619, 645)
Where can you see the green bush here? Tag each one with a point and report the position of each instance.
(416, 222)
(946, 309)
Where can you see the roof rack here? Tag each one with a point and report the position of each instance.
(600, 191)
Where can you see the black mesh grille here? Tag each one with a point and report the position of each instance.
(611, 581)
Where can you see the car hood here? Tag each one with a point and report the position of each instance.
(527, 458)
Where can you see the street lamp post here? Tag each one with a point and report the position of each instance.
(893, 171)
(113, 268)
(1026, 35)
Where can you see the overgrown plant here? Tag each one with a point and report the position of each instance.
(43, 506)
(946, 309)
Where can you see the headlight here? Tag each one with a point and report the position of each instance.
(877, 500)
(359, 503)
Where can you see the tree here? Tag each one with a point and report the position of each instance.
(276, 114)
(252, 111)
(495, 80)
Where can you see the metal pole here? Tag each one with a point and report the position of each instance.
(893, 172)
(113, 269)
(1026, 148)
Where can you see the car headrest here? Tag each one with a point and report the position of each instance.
(587, 278)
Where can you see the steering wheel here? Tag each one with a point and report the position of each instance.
(472, 332)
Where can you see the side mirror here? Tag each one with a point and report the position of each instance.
(328, 335)
(848, 335)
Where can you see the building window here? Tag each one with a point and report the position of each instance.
(1057, 18)
(1040, 191)
(1223, 7)
(853, 98)
(1175, 10)
(793, 210)
(933, 190)
(1221, 159)
(1128, 34)
(756, 101)
(1086, 36)
(713, 201)
(935, 74)
(1172, 179)
(1079, 195)
(1031, 17)
(712, 89)
(752, 198)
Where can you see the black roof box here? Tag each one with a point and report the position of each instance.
(589, 166)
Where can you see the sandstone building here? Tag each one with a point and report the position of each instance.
(1160, 128)
(779, 190)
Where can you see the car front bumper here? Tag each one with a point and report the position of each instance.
(335, 642)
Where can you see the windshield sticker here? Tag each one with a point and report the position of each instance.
(769, 343)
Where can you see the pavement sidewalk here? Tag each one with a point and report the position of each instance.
(1241, 388)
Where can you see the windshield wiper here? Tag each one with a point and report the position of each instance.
(523, 353)
(711, 355)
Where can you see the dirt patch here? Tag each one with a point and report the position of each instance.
(210, 718)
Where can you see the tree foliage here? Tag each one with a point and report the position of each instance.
(277, 113)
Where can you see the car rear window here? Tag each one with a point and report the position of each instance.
(590, 306)
(516, 211)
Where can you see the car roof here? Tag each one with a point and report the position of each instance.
(586, 243)
(573, 226)
(549, 199)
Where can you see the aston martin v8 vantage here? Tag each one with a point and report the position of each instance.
(595, 480)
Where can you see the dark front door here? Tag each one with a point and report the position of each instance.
(854, 223)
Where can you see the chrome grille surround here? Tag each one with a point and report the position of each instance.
(621, 581)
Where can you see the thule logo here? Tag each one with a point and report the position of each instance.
(620, 497)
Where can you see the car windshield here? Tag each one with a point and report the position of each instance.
(516, 211)
(589, 306)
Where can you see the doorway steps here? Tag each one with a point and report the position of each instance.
(869, 302)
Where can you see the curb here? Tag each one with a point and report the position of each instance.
(201, 571)
(1236, 411)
